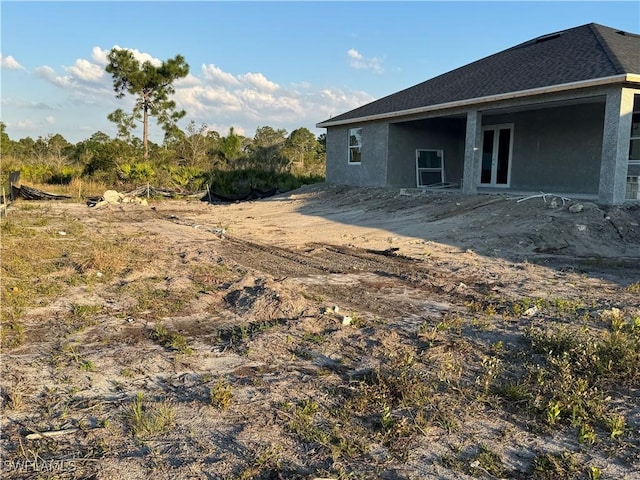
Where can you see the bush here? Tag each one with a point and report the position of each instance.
(242, 182)
(136, 172)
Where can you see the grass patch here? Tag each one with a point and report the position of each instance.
(82, 316)
(31, 251)
(265, 462)
(241, 333)
(220, 394)
(159, 301)
(11, 333)
(147, 420)
(110, 256)
(553, 466)
(309, 424)
(577, 372)
(171, 340)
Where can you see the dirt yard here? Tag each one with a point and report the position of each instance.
(330, 332)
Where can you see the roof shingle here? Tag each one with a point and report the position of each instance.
(581, 53)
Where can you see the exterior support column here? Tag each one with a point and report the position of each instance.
(472, 153)
(615, 146)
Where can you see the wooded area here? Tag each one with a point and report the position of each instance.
(186, 160)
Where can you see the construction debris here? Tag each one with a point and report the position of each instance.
(29, 193)
(111, 197)
(544, 196)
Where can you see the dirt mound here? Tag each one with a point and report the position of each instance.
(504, 225)
(261, 299)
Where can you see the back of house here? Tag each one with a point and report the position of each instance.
(559, 113)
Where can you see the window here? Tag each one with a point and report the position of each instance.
(634, 145)
(355, 145)
(430, 167)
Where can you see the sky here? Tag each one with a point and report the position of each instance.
(285, 64)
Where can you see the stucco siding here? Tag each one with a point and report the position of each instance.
(556, 149)
(432, 134)
(372, 171)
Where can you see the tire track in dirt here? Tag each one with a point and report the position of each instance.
(318, 258)
(380, 283)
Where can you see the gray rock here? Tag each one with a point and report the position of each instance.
(111, 196)
(576, 208)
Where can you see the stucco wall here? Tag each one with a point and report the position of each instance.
(557, 149)
(432, 134)
(372, 171)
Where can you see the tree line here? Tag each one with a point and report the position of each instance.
(186, 160)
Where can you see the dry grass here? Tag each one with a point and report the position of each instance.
(364, 398)
(79, 189)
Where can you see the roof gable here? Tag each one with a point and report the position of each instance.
(578, 54)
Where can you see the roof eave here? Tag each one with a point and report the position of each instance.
(627, 77)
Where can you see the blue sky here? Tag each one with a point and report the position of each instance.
(282, 64)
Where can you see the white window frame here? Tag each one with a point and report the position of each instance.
(352, 147)
(496, 139)
(440, 170)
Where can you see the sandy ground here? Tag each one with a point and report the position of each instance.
(266, 287)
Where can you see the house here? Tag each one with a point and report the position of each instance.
(558, 114)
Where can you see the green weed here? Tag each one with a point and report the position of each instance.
(170, 340)
(146, 420)
(87, 366)
(264, 461)
(316, 338)
(220, 394)
(82, 316)
(616, 424)
(489, 461)
(12, 333)
(554, 466)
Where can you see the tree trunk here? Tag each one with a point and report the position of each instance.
(145, 132)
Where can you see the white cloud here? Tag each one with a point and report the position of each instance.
(140, 56)
(215, 74)
(259, 81)
(255, 98)
(189, 81)
(302, 85)
(50, 75)
(24, 124)
(85, 81)
(250, 100)
(210, 96)
(24, 104)
(354, 55)
(87, 71)
(335, 101)
(10, 63)
(220, 96)
(241, 100)
(100, 56)
(360, 62)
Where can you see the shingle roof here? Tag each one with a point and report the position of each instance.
(581, 53)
